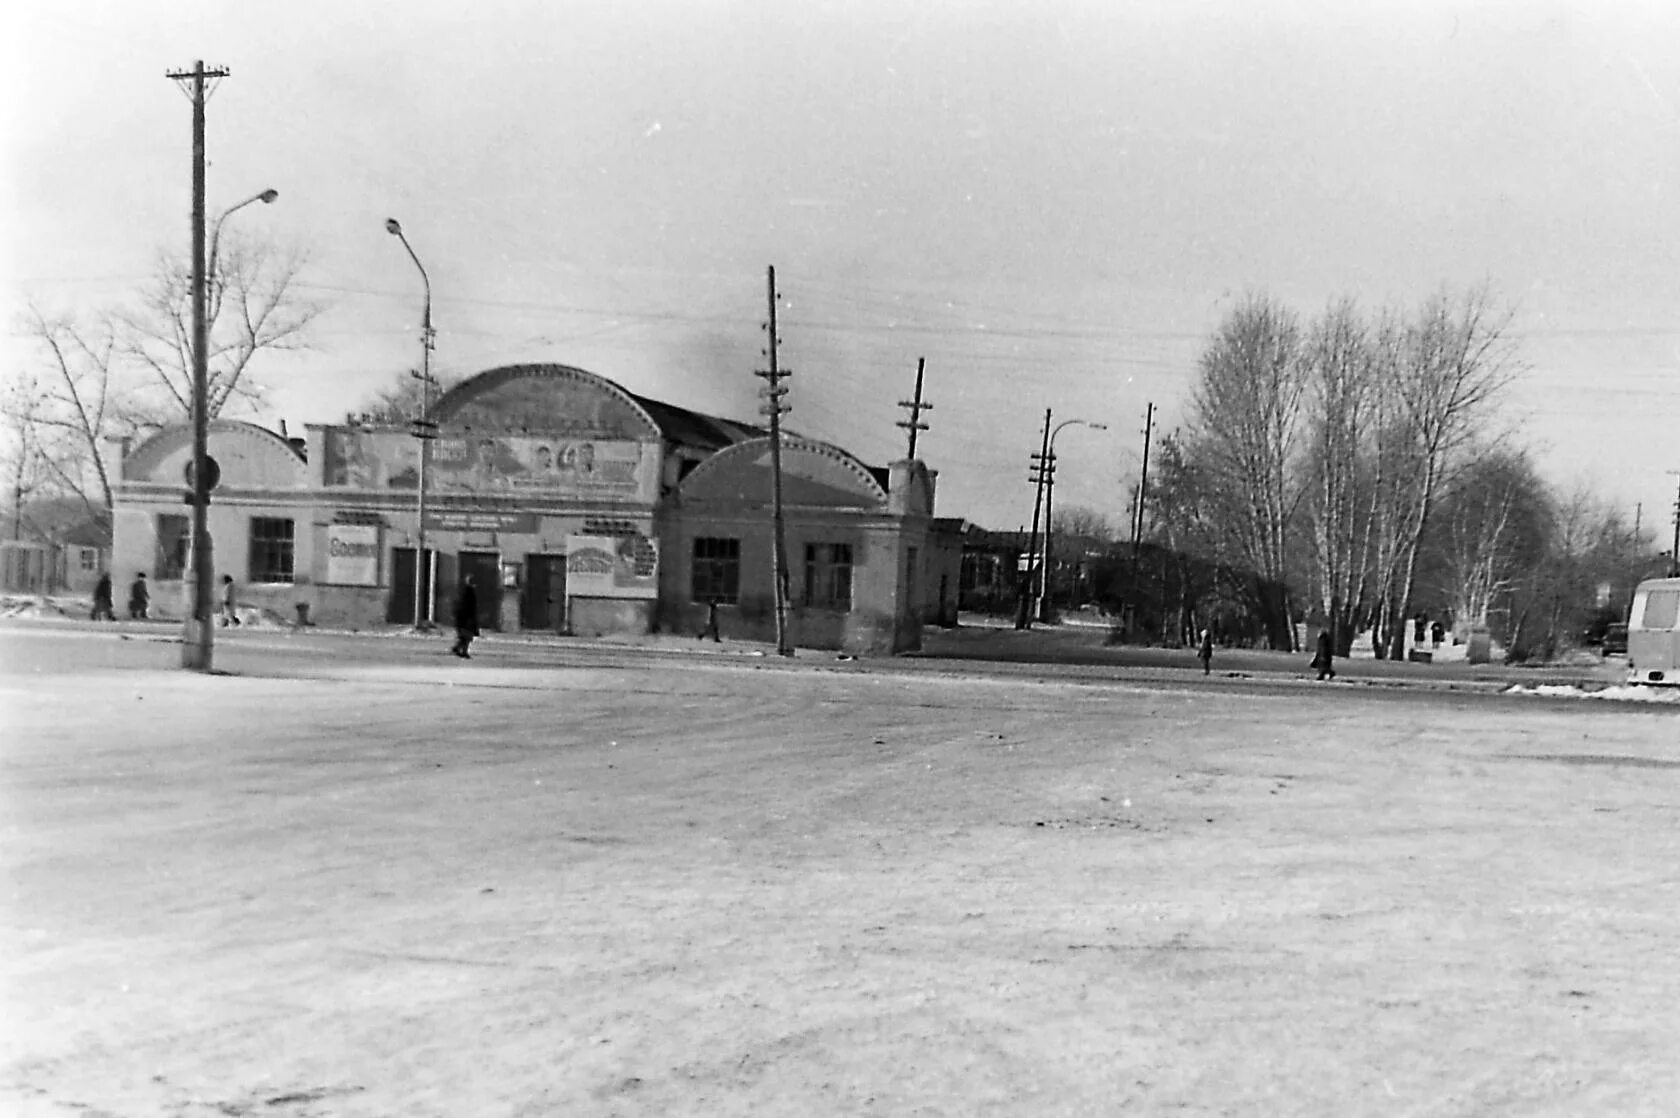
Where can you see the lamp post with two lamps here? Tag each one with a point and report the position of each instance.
(424, 430)
(1045, 609)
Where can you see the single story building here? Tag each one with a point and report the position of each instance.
(574, 505)
(56, 546)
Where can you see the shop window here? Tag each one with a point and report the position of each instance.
(828, 576)
(271, 549)
(174, 540)
(716, 572)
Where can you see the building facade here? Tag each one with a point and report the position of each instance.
(574, 505)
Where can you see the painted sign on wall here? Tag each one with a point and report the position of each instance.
(471, 520)
(353, 554)
(489, 464)
(495, 464)
(612, 567)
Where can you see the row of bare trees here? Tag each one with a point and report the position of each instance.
(1357, 467)
(108, 373)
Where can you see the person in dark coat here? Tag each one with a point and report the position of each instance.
(102, 609)
(1204, 651)
(466, 618)
(139, 598)
(1324, 658)
(230, 602)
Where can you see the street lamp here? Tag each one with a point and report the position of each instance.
(197, 642)
(266, 197)
(424, 430)
(1044, 606)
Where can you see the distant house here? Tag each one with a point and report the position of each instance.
(53, 547)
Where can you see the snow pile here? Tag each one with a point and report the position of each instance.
(35, 607)
(1623, 693)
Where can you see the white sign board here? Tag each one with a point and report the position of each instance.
(353, 554)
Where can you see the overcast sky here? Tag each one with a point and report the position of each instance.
(1052, 202)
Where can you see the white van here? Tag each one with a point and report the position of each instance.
(1654, 633)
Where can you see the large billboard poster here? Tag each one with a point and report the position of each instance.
(612, 567)
(522, 463)
(353, 555)
(493, 464)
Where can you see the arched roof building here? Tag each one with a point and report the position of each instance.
(580, 500)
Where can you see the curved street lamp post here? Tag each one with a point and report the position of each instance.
(1045, 609)
(424, 430)
(198, 643)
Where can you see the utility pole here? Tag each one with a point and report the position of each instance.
(197, 643)
(1138, 506)
(1674, 556)
(773, 407)
(915, 407)
(1026, 585)
(1143, 484)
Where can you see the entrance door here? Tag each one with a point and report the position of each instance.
(486, 569)
(399, 609)
(544, 603)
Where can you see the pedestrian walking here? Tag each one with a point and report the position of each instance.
(1204, 651)
(102, 610)
(711, 629)
(466, 618)
(139, 598)
(1324, 658)
(230, 602)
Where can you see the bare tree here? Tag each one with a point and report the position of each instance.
(21, 453)
(401, 400)
(1483, 516)
(1341, 369)
(77, 403)
(253, 305)
(1448, 365)
(1246, 410)
(1078, 522)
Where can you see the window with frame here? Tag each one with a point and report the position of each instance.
(271, 549)
(90, 558)
(828, 576)
(1662, 610)
(174, 541)
(715, 574)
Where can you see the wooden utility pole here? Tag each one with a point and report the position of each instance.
(1137, 509)
(773, 407)
(1674, 556)
(1028, 583)
(1143, 484)
(915, 407)
(197, 643)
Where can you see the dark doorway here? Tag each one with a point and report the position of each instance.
(544, 603)
(399, 609)
(486, 570)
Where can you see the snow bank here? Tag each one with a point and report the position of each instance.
(1623, 693)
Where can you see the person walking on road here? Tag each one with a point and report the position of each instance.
(1204, 651)
(1324, 658)
(466, 618)
(139, 598)
(230, 602)
(102, 610)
